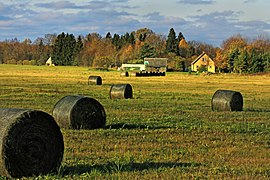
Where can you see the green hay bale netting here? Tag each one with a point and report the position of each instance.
(95, 80)
(124, 74)
(31, 143)
(79, 112)
(227, 100)
(121, 91)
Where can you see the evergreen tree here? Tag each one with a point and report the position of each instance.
(116, 41)
(171, 43)
(64, 49)
(266, 58)
(241, 63)
(108, 35)
(131, 39)
(58, 48)
(180, 37)
(142, 37)
(1, 55)
(256, 64)
(79, 45)
(147, 51)
(126, 38)
(233, 58)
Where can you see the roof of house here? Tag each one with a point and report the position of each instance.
(156, 62)
(199, 57)
(49, 60)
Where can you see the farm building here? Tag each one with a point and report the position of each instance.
(132, 67)
(49, 62)
(155, 64)
(204, 63)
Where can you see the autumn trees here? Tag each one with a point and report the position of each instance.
(237, 54)
(240, 55)
(96, 51)
(15, 52)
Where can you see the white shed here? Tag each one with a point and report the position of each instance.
(49, 62)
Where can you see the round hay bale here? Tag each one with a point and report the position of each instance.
(151, 73)
(146, 73)
(31, 143)
(227, 100)
(121, 91)
(124, 74)
(133, 74)
(79, 112)
(97, 80)
(141, 74)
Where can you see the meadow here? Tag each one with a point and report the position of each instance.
(167, 131)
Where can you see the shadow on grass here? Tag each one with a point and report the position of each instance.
(134, 126)
(257, 110)
(111, 167)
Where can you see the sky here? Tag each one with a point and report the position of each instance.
(208, 21)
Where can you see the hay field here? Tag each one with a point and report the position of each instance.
(166, 131)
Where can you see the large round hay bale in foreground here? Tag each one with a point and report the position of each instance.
(31, 143)
(121, 91)
(97, 80)
(227, 100)
(79, 112)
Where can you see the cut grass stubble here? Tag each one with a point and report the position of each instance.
(167, 130)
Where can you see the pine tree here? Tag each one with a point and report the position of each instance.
(241, 63)
(116, 41)
(126, 38)
(171, 43)
(58, 48)
(79, 45)
(147, 51)
(256, 64)
(131, 39)
(180, 37)
(108, 35)
(64, 49)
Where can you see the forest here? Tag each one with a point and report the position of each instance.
(236, 54)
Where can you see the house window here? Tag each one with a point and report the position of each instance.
(204, 60)
(210, 67)
(197, 67)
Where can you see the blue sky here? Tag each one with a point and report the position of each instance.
(210, 21)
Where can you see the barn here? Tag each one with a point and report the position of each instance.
(156, 64)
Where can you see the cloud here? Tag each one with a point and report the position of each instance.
(217, 26)
(5, 9)
(197, 2)
(254, 26)
(57, 5)
(249, 1)
(93, 5)
(39, 17)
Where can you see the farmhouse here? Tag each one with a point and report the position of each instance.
(204, 63)
(156, 64)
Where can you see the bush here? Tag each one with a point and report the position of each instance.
(202, 69)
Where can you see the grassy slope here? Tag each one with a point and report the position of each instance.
(167, 130)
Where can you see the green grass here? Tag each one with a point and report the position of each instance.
(166, 131)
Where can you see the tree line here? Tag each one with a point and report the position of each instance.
(237, 54)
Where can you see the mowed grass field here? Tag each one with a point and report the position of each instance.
(167, 131)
